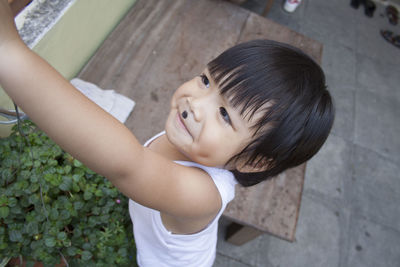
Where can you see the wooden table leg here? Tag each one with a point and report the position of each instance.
(239, 234)
(267, 7)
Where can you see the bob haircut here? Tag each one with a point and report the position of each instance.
(288, 87)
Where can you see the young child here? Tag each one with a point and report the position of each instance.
(257, 109)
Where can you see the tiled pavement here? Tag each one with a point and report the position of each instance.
(350, 211)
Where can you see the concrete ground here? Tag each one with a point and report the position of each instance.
(350, 210)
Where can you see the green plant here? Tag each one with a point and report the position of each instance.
(53, 207)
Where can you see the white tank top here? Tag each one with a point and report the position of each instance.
(156, 246)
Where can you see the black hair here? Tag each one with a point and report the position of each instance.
(289, 88)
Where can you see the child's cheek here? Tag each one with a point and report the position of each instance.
(211, 154)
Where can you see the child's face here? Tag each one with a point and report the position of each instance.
(203, 125)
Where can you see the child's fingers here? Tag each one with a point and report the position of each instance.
(8, 31)
(5, 10)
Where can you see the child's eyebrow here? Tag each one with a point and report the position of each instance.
(243, 114)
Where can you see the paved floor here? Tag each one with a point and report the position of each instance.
(350, 212)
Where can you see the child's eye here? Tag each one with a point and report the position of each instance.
(225, 115)
(205, 80)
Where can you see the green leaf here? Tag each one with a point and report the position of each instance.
(54, 214)
(67, 169)
(16, 210)
(93, 221)
(76, 177)
(89, 171)
(64, 187)
(71, 251)
(105, 218)
(77, 232)
(34, 199)
(24, 202)
(77, 163)
(22, 184)
(87, 195)
(3, 245)
(34, 187)
(66, 183)
(49, 177)
(96, 210)
(3, 200)
(64, 215)
(67, 243)
(86, 255)
(78, 205)
(61, 236)
(79, 171)
(50, 241)
(53, 231)
(31, 228)
(68, 205)
(114, 192)
(27, 162)
(34, 178)
(40, 218)
(15, 235)
(4, 211)
(87, 246)
(98, 193)
(60, 170)
(36, 164)
(75, 187)
(52, 162)
(123, 252)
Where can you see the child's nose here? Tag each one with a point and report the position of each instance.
(195, 107)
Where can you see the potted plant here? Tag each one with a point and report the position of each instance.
(54, 208)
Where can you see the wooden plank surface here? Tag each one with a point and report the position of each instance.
(278, 199)
(161, 44)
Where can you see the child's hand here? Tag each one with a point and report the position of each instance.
(8, 31)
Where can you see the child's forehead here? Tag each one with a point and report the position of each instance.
(255, 117)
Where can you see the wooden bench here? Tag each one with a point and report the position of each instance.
(161, 44)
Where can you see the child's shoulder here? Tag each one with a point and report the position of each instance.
(189, 191)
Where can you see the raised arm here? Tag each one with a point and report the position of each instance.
(68, 117)
(93, 136)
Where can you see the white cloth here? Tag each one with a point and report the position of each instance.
(116, 104)
(156, 246)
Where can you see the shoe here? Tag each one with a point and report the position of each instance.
(391, 38)
(355, 3)
(291, 5)
(369, 8)
(392, 14)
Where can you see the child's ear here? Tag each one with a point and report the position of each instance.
(259, 166)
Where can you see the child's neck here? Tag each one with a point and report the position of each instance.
(162, 146)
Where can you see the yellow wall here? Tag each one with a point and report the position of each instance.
(75, 37)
